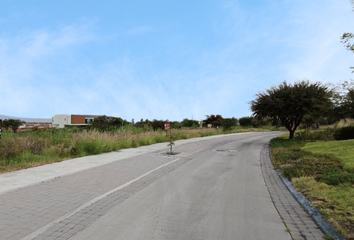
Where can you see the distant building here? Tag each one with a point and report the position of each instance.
(60, 120)
(30, 123)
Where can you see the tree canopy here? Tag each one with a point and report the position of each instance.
(12, 123)
(106, 123)
(215, 120)
(229, 123)
(290, 102)
(247, 121)
(189, 123)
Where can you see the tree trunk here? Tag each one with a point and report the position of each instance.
(291, 134)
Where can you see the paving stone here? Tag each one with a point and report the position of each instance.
(294, 216)
(25, 210)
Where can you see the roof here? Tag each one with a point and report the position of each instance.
(28, 120)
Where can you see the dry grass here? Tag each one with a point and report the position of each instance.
(33, 148)
(344, 123)
(336, 203)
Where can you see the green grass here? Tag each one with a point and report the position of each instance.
(323, 172)
(336, 203)
(328, 237)
(343, 150)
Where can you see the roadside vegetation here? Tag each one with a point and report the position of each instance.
(322, 169)
(36, 147)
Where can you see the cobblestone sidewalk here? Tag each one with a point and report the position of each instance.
(299, 224)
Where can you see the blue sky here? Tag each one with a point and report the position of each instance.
(164, 59)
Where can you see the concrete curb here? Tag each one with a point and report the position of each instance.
(298, 223)
(316, 216)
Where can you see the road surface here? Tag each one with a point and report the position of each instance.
(213, 188)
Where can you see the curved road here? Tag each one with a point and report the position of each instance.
(212, 188)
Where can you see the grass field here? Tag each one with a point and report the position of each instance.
(343, 150)
(323, 171)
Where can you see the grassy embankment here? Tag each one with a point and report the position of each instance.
(37, 147)
(323, 171)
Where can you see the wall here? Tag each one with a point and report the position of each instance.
(60, 120)
(77, 119)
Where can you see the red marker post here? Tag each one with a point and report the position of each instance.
(167, 126)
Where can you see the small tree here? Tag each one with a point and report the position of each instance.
(246, 121)
(229, 123)
(171, 141)
(189, 123)
(289, 103)
(158, 124)
(216, 121)
(12, 123)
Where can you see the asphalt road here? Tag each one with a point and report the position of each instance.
(212, 189)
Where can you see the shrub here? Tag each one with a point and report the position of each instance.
(158, 124)
(134, 144)
(90, 146)
(344, 133)
(248, 121)
(189, 123)
(228, 123)
(312, 135)
(144, 141)
(75, 151)
(124, 144)
(159, 139)
(183, 136)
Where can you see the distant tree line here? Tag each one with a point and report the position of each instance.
(105, 123)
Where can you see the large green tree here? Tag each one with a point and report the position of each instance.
(290, 102)
(12, 123)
